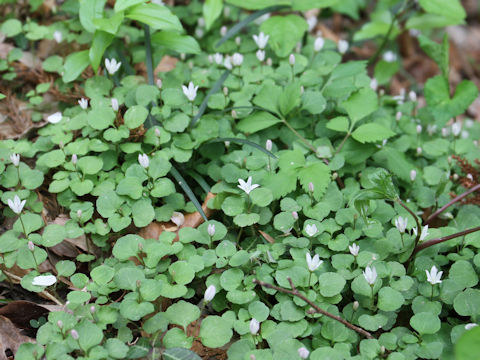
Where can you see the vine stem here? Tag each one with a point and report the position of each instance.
(315, 307)
(451, 202)
(432, 242)
(305, 141)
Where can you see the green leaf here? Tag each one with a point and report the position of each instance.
(318, 174)
(89, 334)
(174, 41)
(290, 98)
(135, 116)
(447, 8)
(361, 104)
(372, 132)
(425, 323)
(126, 278)
(389, 299)
(467, 303)
(101, 40)
(313, 102)
(211, 11)
(53, 234)
(179, 354)
(339, 123)
(11, 27)
(438, 52)
(121, 5)
(284, 32)
(331, 284)
(215, 331)
(109, 25)
(90, 10)
(468, 346)
(246, 142)
(143, 212)
(303, 5)
(257, 4)
(75, 64)
(102, 274)
(90, 165)
(181, 272)
(182, 313)
(257, 121)
(101, 118)
(156, 16)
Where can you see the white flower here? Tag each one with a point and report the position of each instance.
(424, 233)
(218, 58)
(412, 95)
(311, 187)
(201, 22)
(291, 59)
(318, 44)
(389, 56)
(260, 55)
(223, 30)
(419, 129)
(190, 91)
(268, 145)
(342, 46)
(74, 159)
(227, 63)
(370, 274)
(374, 84)
(398, 115)
(112, 66)
(238, 40)
(55, 118)
(57, 35)
(311, 229)
(312, 22)
(419, 150)
(254, 326)
(314, 263)
(211, 229)
(401, 224)
(354, 249)
(413, 175)
(433, 276)
(74, 334)
(178, 218)
(261, 40)
(15, 159)
(143, 160)
(237, 59)
(456, 128)
(114, 103)
(159, 83)
(44, 280)
(470, 326)
(210, 293)
(247, 186)
(16, 205)
(445, 132)
(303, 353)
(83, 103)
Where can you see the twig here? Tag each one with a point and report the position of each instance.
(451, 202)
(317, 309)
(432, 242)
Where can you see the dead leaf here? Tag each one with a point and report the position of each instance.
(267, 237)
(10, 338)
(20, 312)
(168, 63)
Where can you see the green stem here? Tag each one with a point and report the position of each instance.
(343, 142)
(23, 225)
(305, 141)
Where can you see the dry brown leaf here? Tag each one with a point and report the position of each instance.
(167, 64)
(10, 338)
(267, 237)
(20, 312)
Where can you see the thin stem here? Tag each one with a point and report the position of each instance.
(415, 217)
(431, 296)
(451, 202)
(23, 225)
(316, 308)
(148, 54)
(342, 143)
(305, 141)
(432, 242)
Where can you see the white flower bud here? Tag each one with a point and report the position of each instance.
(225, 91)
(178, 218)
(79, 213)
(355, 305)
(398, 115)
(211, 229)
(268, 145)
(114, 103)
(419, 150)
(413, 175)
(318, 44)
(254, 326)
(159, 83)
(260, 55)
(74, 334)
(269, 62)
(210, 293)
(223, 31)
(311, 187)
(60, 324)
(157, 132)
(238, 40)
(303, 353)
(419, 129)
(31, 246)
(295, 215)
(291, 59)
(74, 159)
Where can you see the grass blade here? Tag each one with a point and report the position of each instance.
(149, 63)
(199, 179)
(245, 142)
(216, 87)
(239, 26)
(183, 184)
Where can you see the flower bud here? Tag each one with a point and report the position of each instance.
(238, 40)
(74, 159)
(79, 213)
(159, 83)
(225, 91)
(211, 229)
(254, 326)
(114, 103)
(210, 293)
(31, 246)
(303, 353)
(92, 309)
(419, 129)
(74, 334)
(234, 114)
(269, 62)
(398, 115)
(419, 150)
(355, 305)
(157, 132)
(291, 59)
(413, 175)
(60, 324)
(311, 187)
(295, 215)
(268, 145)
(223, 31)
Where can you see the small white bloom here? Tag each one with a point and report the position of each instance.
(312, 22)
(143, 160)
(355, 305)
(318, 44)
(354, 249)
(419, 129)
(112, 66)
(247, 186)
(159, 83)
(31, 246)
(419, 150)
(190, 91)
(223, 31)
(434, 276)
(470, 326)
(74, 334)
(469, 177)
(210, 293)
(114, 103)
(374, 84)
(303, 353)
(401, 224)
(79, 213)
(295, 215)
(370, 274)
(74, 159)
(398, 115)
(178, 218)
(261, 40)
(342, 46)
(157, 132)
(413, 175)
(44, 280)
(16, 205)
(260, 55)
(227, 63)
(268, 145)
(201, 22)
(225, 91)
(412, 95)
(237, 59)
(238, 40)
(83, 103)
(311, 229)
(55, 118)
(211, 229)
(456, 128)
(424, 233)
(254, 326)
(389, 56)
(314, 263)
(218, 58)
(15, 159)
(445, 132)
(57, 35)
(291, 59)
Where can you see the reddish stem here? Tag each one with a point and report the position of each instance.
(432, 242)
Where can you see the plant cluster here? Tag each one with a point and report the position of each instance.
(330, 227)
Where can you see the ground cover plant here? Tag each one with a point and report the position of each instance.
(234, 179)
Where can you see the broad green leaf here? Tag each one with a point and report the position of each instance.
(468, 346)
(361, 104)
(215, 331)
(372, 132)
(319, 175)
(339, 123)
(90, 10)
(121, 5)
(447, 8)
(90, 164)
(303, 5)
(156, 16)
(135, 116)
(257, 4)
(257, 121)
(174, 41)
(101, 40)
(290, 98)
(313, 102)
(182, 313)
(389, 299)
(438, 52)
(180, 354)
(11, 27)
(211, 11)
(331, 284)
(425, 323)
(284, 31)
(109, 25)
(89, 334)
(75, 64)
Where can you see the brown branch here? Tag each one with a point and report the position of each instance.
(317, 309)
(432, 242)
(451, 202)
